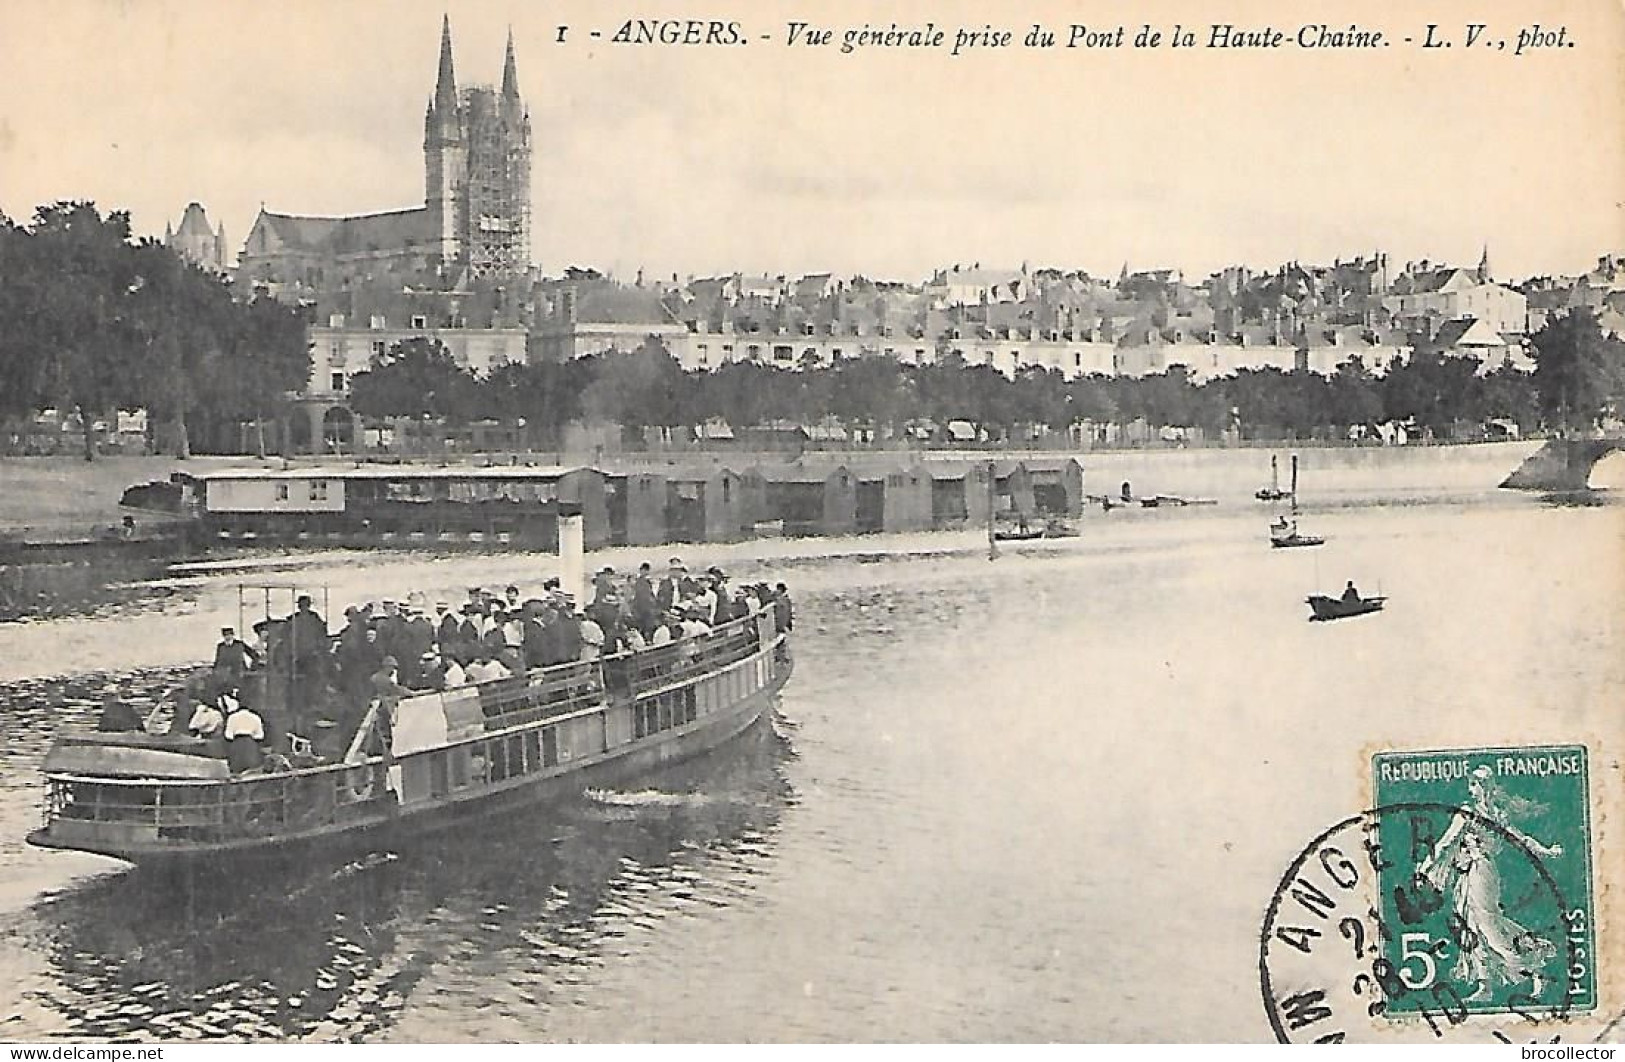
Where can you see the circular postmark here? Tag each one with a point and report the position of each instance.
(1419, 920)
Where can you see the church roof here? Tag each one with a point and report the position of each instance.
(394, 230)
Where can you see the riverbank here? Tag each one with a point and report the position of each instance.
(63, 499)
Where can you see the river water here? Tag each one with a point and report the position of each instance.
(1045, 797)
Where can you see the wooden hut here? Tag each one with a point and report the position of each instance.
(636, 506)
(894, 499)
(959, 493)
(706, 503)
(812, 501)
(1057, 485)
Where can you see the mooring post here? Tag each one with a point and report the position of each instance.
(573, 558)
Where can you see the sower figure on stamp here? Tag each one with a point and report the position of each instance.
(1462, 866)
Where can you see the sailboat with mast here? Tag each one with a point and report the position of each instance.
(1284, 533)
(1273, 492)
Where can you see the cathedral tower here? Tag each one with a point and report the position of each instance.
(476, 151)
(445, 158)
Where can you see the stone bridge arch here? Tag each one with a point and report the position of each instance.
(1562, 464)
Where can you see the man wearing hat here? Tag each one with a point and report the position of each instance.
(784, 613)
(361, 661)
(390, 626)
(431, 673)
(603, 583)
(417, 638)
(311, 646)
(447, 628)
(645, 608)
(670, 589)
(388, 691)
(233, 657)
(493, 640)
(605, 611)
(386, 683)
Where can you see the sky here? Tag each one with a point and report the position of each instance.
(771, 157)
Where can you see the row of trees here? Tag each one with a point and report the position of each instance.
(92, 321)
(1578, 373)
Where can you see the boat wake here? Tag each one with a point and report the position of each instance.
(642, 798)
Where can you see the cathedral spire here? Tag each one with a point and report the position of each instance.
(510, 74)
(1484, 265)
(445, 89)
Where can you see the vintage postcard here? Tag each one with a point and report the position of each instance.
(825, 522)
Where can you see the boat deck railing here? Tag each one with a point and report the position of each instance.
(196, 810)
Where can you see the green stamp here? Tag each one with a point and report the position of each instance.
(1484, 886)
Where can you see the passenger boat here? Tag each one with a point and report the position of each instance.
(471, 751)
(1331, 608)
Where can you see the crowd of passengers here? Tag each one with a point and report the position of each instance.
(390, 649)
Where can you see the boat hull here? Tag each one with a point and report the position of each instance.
(399, 825)
(1297, 541)
(1334, 608)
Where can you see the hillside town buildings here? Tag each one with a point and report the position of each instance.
(459, 270)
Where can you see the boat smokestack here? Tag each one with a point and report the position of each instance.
(573, 558)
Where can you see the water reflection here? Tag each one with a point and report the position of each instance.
(1589, 498)
(73, 588)
(336, 952)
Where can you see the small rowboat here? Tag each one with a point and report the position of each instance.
(1158, 500)
(1332, 608)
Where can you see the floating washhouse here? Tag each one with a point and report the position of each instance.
(519, 505)
(405, 504)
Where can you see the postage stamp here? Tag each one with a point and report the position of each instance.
(1460, 907)
(1491, 905)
